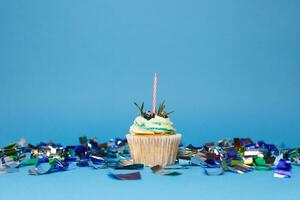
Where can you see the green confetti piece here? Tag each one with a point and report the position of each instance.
(31, 161)
(262, 168)
(236, 162)
(259, 161)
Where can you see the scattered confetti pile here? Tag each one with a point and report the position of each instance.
(240, 155)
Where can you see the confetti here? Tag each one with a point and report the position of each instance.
(283, 169)
(130, 176)
(239, 155)
(161, 171)
(133, 166)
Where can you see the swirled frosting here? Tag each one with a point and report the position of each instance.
(156, 125)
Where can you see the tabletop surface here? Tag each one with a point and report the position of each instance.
(88, 183)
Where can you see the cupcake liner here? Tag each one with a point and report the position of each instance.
(153, 149)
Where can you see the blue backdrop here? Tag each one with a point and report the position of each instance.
(227, 68)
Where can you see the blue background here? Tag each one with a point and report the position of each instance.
(228, 68)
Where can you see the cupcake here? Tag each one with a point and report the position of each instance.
(153, 139)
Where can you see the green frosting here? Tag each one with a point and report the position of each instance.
(155, 125)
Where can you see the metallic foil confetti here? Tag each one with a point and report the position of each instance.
(133, 166)
(283, 169)
(176, 167)
(161, 171)
(214, 171)
(198, 160)
(46, 166)
(239, 155)
(240, 168)
(130, 176)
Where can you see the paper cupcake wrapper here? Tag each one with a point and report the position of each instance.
(154, 150)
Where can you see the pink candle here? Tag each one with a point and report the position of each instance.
(154, 94)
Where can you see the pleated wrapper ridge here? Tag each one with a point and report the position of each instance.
(154, 149)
